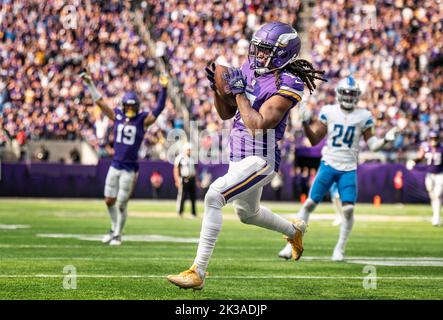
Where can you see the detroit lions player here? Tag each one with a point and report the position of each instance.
(432, 152)
(344, 124)
(265, 88)
(129, 129)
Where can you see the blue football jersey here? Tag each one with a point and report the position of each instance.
(128, 136)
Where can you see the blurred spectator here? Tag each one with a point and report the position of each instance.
(156, 183)
(398, 186)
(74, 156)
(41, 154)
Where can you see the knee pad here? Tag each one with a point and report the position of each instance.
(122, 205)
(214, 199)
(244, 211)
(348, 211)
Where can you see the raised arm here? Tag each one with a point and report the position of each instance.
(224, 111)
(376, 144)
(150, 119)
(96, 96)
(315, 131)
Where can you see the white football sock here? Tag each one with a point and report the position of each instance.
(113, 212)
(436, 208)
(346, 227)
(307, 208)
(211, 226)
(121, 218)
(265, 218)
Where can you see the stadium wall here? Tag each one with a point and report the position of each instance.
(38, 179)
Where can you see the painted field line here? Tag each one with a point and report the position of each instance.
(250, 277)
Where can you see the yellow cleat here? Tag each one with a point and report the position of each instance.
(189, 279)
(297, 241)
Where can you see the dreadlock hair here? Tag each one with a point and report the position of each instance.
(306, 72)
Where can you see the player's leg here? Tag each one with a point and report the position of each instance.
(337, 205)
(127, 183)
(242, 178)
(322, 183)
(180, 200)
(111, 190)
(249, 210)
(193, 197)
(347, 188)
(434, 185)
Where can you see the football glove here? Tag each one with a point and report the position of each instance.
(391, 134)
(163, 80)
(236, 81)
(210, 73)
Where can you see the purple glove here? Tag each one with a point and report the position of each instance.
(236, 81)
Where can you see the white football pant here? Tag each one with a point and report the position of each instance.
(434, 185)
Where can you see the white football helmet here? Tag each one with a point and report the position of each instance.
(347, 93)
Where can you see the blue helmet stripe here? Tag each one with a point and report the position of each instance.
(351, 81)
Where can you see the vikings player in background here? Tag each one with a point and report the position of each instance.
(432, 153)
(266, 88)
(129, 129)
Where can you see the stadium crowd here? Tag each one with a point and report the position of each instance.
(393, 46)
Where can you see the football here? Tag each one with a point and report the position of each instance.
(223, 88)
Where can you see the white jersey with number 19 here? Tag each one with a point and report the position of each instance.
(344, 131)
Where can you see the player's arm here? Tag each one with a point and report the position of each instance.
(375, 144)
(150, 118)
(224, 111)
(96, 96)
(176, 175)
(410, 164)
(315, 132)
(270, 113)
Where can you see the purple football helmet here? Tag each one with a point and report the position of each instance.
(130, 99)
(273, 46)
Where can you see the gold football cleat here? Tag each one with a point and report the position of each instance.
(188, 279)
(297, 241)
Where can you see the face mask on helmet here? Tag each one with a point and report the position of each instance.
(348, 98)
(260, 54)
(130, 109)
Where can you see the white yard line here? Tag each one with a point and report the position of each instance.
(148, 276)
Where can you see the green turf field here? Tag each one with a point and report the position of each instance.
(400, 242)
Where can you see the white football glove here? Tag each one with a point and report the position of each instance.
(410, 164)
(391, 134)
(304, 113)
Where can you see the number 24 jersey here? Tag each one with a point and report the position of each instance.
(344, 132)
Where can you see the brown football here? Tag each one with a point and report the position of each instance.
(222, 86)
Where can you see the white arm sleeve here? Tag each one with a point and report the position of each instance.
(94, 92)
(375, 144)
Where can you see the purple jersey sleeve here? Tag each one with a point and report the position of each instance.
(290, 87)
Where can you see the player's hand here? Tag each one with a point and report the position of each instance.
(86, 77)
(410, 164)
(210, 74)
(236, 81)
(304, 114)
(392, 134)
(163, 80)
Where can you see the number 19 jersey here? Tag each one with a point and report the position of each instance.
(344, 131)
(128, 136)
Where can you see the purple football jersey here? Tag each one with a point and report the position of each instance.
(259, 89)
(128, 136)
(433, 158)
